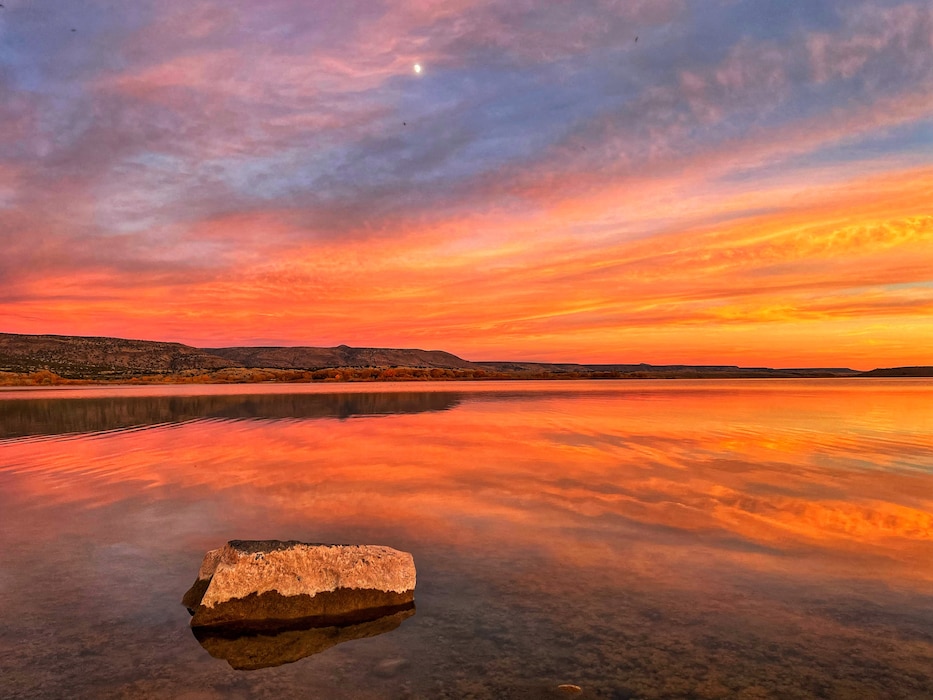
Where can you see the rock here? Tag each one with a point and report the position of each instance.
(253, 585)
(249, 650)
(193, 596)
(389, 667)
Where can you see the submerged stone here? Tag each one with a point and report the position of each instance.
(261, 584)
(389, 667)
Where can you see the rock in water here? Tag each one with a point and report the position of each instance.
(257, 584)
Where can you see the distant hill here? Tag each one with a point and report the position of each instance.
(91, 357)
(340, 356)
(900, 372)
(118, 359)
(646, 371)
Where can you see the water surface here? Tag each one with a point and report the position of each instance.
(649, 539)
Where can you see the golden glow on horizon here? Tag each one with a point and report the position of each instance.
(837, 279)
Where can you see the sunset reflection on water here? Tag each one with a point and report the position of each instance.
(642, 539)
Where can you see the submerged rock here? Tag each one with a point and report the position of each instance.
(389, 667)
(260, 584)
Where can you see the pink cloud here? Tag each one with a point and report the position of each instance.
(901, 36)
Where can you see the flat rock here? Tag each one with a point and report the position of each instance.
(255, 583)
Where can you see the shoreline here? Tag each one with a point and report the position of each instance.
(46, 379)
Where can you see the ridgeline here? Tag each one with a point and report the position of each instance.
(57, 359)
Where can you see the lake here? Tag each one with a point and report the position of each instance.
(639, 539)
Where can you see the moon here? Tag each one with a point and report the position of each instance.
(417, 68)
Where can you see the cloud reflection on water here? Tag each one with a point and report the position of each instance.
(646, 539)
(838, 479)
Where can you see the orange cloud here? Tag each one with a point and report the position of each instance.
(799, 285)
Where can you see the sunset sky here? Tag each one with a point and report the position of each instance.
(749, 182)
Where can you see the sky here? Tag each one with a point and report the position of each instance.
(666, 181)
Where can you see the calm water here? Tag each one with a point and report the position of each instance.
(747, 539)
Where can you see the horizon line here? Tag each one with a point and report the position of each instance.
(486, 361)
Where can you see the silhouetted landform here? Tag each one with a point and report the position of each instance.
(646, 371)
(900, 372)
(247, 650)
(51, 360)
(31, 417)
(252, 584)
